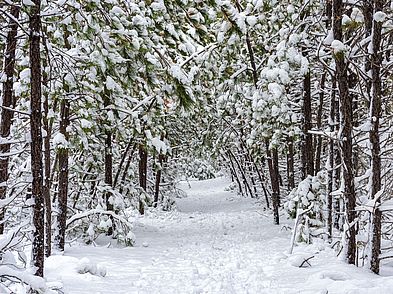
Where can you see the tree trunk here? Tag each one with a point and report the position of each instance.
(277, 172)
(339, 214)
(272, 155)
(158, 179)
(63, 177)
(233, 168)
(319, 141)
(127, 166)
(290, 165)
(307, 139)
(367, 8)
(47, 158)
(36, 139)
(158, 175)
(307, 143)
(142, 167)
(328, 13)
(247, 187)
(332, 153)
(123, 158)
(142, 174)
(261, 179)
(108, 169)
(47, 182)
(346, 134)
(249, 170)
(8, 102)
(375, 104)
(81, 186)
(108, 176)
(328, 23)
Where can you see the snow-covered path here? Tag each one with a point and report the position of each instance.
(216, 242)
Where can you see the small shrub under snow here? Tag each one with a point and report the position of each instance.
(87, 266)
(308, 200)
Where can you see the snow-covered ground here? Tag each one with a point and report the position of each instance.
(216, 242)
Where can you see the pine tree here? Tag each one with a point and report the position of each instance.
(8, 103)
(36, 138)
(375, 115)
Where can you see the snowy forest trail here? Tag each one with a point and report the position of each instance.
(216, 242)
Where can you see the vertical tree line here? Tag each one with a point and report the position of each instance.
(9, 102)
(36, 137)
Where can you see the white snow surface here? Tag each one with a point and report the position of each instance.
(217, 242)
(379, 16)
(338, 46)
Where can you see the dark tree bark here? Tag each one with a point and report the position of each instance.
(142, 167)
(82, 186)
(108, 169)
(62, 157)
(248, 167)
(234, 173)
(254, 186)
(108, 166)
(8, 102)
(307, 139)
(252, 60)
(63, 176)
(290, 165)
(247, 187)
(328, 13)
(36, 138)
(262, 180)
(158, 176)
(272, 158)
(376, 111)
(123, 158)
(346, 135)
(109, 175)
(307, 142)
(142, 174)
(332, 115)
(127, 166)
(277, 171)
(158, 179)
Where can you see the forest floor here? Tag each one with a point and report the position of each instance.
(215, 242)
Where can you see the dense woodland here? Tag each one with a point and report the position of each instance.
(105, 105)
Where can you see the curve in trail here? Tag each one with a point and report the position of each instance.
(217, 242)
